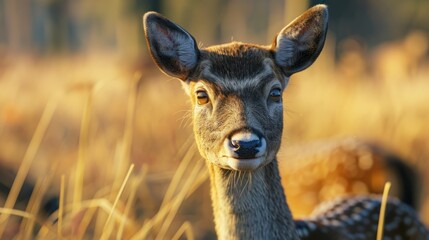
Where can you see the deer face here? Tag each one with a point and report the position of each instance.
(237, 106)
(236, 89)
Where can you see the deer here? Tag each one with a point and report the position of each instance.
(237, 112)
(345, 166)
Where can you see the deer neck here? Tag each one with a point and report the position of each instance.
(250, 205)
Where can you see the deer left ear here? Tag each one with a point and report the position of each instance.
(298, 45)
(173, 48)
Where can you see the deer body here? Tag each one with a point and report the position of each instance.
(236, 94)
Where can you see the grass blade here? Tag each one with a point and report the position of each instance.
(383, 211)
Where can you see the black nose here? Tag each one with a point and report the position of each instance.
(246, 148)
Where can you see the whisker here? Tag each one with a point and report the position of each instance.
(246, 183)
(185, 119)
(250, 180)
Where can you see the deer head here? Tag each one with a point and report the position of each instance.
(236, 88)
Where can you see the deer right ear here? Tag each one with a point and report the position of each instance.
(173, 49)
(298, 45)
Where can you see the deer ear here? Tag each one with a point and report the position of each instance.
(298, 45)
(173, 49)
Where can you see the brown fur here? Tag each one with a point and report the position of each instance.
(250, 205)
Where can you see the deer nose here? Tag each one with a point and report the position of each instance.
(246, 145)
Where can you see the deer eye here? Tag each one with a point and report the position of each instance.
(276, 95)
(202, 97)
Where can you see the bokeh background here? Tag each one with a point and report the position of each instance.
(81, 100)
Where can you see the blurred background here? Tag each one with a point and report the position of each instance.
(81, 99)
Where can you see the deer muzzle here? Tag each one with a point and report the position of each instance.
(245, 150)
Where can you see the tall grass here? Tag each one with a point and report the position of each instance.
(27, 160)
(106, 213)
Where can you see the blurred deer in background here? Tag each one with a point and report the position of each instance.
(326, 169)
(236, 94)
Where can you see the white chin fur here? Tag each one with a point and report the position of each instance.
(244, 164)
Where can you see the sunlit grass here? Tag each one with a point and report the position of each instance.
(27, 160)
(101, 217)
(383, 211)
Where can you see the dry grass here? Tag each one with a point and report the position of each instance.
(108, 140)
(99, 199)
(383, 211)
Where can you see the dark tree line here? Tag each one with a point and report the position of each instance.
(57, 26)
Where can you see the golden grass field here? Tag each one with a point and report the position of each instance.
(115, 143)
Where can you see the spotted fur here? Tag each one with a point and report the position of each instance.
(357, 218)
